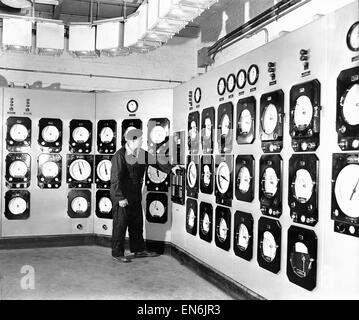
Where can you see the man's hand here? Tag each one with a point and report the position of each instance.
(123, 203)
(175, 168)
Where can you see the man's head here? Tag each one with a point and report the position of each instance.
(133, 137)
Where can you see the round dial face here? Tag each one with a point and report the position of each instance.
(105, 205)
(50, 169)
(241, 78)
(269, 246)
(221, 86)
(18, 169)
(206, 175)
(222, 230)
(80, 135)
(157, 208)
(158, 134)
(353, 37)
(244, 180)
(231, 82)
(245, 122)
(191, 218)
(243, 237)
(303, 186)
(225, 125)
(223, 177)
(132, 106)
(300, 260)
(271, 180)
(350, 103)
(347, 190)
(17, 205)
(303, 112)
(104, 170)
(270, 119)
(50, 133)
(106, 135)
(192, 174)
(193, 131)
(253, 73)
(205, 224)
(80, 170)
(207, 128)
(197, 95)
(79, 205)
(18, 132)
(155, 175)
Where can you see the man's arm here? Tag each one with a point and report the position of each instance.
(161, 162)
(116, 177)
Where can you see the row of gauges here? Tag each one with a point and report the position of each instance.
(232, 81)
(18, 136)
(302, 243)
(207, 174)
(17, 204)
(304, 122)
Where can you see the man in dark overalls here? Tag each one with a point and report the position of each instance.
(128, 167)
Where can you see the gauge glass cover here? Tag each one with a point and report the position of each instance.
(192, 174)
(241, 79)
(18, 132)
(205, 224)
(269, 246)
(243, 237)
(193, 131)
(50, 133)
(270, 119)
(191, 218)
(350, 105)
(253, 75)
(303, 186)
(50, 169)
(225, 123)
(80, 134)
(18, 169)
(155, 175)
(156, 208)
(105, 205)
(104, 170)
(244, 180)
(79, 205)
(207, 127)
(300, 260)
(223, 177)
(270, 182)
(303, 113)
(353, 37)
(222, 230)
(17, 205)
(106, 135)
(80, 170)
(206, 175)
(245, 122)
(158, 134)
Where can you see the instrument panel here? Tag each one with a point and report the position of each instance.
(80, 136)
(50, 135)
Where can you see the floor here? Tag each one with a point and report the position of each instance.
(89, 272)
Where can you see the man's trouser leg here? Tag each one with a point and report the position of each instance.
(135, 227)
(119, 226)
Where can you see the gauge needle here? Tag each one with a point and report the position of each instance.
(106, 169)
(223, 177)
(354, 190)
(158, 174)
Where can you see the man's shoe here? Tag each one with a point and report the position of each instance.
(145, 254)
(122, 259)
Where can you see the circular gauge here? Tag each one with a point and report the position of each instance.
(80, 135)
(158, 134)
(347, 190)
(192, 174)
(244, 180)
(241, 78)
(243, 237)
(191, 218)
(80, 170)
(270, 119)
(50, 169)
(105, 205)
(104, 170)
(245, 122)
(193, 131)
(106, 135)
(18, 169)
(155, 175)
(157, 209)
(269, 246)
(50, 133)
(270, 182)
(350, 102)
(206, 223)
(17, 205)
(222, 230)
(303, 113)
(303, 186)
(353, 37)
(197, 95)
(18, 132)
(132, 106)
(223, 177)
(231, 82)
(207, 128)
(79, 205)
(225, 125)
(221, 86)
(253, 74)
(300, 260)
(206, 175)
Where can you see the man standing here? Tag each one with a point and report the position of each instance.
(128, 167)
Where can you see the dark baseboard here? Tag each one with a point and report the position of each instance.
(220, 280)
